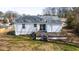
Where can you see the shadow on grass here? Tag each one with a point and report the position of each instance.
(63, 43)
(11, 33)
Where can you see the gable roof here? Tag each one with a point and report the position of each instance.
(28, 19)
(38, 19)
(52, 19)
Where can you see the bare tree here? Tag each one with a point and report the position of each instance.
(11, 15)
(59, 11)
(49, 11)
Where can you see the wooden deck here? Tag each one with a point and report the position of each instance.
(52, 36)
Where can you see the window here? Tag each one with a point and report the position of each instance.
(35, 25)
(23, 26)
(42, 27)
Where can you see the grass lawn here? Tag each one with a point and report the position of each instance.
(25, 43)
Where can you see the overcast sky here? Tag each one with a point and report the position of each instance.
(34, 7)
(24, 10)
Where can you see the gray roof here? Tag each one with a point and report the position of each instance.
(38, 19)
(52, 19)
(28, 19)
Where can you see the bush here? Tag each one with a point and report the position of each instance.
(76, 28)
(70, 22)
(11, 33)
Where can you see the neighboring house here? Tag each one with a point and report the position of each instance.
(28, 24)
(2, 24)
(1, 19)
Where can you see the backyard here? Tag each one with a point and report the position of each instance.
(25, 43)
(11, 42)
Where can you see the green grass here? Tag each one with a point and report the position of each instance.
(70, 48)
(66, 46)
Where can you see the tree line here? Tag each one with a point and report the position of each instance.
(8, 16)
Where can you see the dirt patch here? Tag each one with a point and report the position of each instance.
(5, 30)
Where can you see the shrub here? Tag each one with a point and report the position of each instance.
(76, 28)
(70, 22)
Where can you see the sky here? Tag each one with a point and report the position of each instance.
(34, 7)
(24, 10)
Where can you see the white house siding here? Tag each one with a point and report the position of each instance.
(54, 28)
(48, 27)
(29, 28)
(38, 27)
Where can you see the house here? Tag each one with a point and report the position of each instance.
(1, 19)
(28, 24)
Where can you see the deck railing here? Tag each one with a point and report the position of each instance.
(52, 35)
